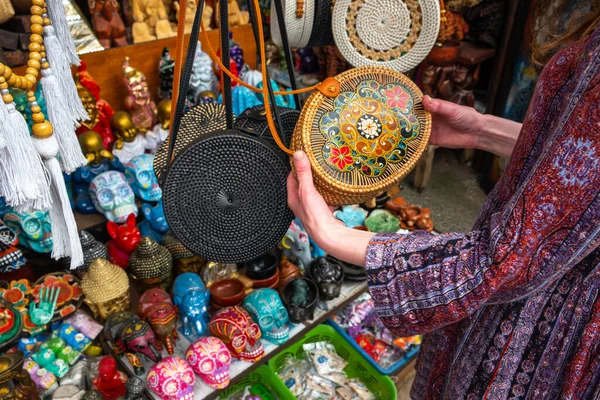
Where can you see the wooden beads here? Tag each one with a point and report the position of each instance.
(36, 10)
(41, 130)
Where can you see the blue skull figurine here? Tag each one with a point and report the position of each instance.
(191, 298)
(140, 176)
(351, 216)
(155, 224)
(113, 197)
(267, 310)
(33, 229)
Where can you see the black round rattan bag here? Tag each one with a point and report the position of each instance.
(225, 196)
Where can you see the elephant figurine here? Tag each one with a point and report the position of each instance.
(155, 224)
(191, 298)
(315, 250)
(296, 246)
(158, 309)
(130, 335)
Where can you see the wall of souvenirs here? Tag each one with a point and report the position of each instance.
(103, 292)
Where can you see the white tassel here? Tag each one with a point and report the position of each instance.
(58, 19)
(23, 178)
(64, 130)
(62, 70)
(64, 228)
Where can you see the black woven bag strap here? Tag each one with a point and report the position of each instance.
(187, 72)
(287, 51)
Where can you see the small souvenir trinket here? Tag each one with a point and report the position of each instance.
(128, 141)
(191, 298)
(99, 113)
(43, 357)
(139, 102)
(166, 66)
(112, 196)
(106, 288)
(130, 335)
(234, 326)
(151, 21)
(16, 293)
(92, 249)
(396, 204)
(214, 272)
(203, 78)
(33, 229)
(69, 293)
(172, 379)
(134, 388)
(43, 378)
(84, 324)
(160, 132)
(125, 239)
(351, 216)
(267, 310)
(14, 380)
(109, 382)
(184, 260)
(296, 246)
(300, 296)
(382, 221)
(73, 337)
(328, 275)
(11, 325)
(155, 223)
(158, 309)
(227, 292)
(287, 271)
(11, 258)
(107, 22)
(210, 359)
(151, 264)
(140, 176)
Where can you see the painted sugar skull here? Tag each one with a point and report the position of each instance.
(112, 196)
(158, 309)
(191, 298)
(210, 359)
(33, 229)
(172, 379)
(234, 326)
(266, 309)
(140, 176)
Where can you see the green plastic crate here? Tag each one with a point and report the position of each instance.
(265, 377)
(381, 385)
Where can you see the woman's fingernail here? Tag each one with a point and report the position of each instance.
(299, 155)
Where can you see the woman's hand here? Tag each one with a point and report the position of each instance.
(328, 232)
(454, 126)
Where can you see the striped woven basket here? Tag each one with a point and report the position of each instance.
(363, 132)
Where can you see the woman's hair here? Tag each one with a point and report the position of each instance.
(580, 26)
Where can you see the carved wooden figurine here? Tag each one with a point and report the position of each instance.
(107, 23)
(151, 21)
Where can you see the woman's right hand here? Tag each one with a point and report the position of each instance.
(454, 126)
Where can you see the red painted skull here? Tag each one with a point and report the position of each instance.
(234, 326)
(172, 379)
(210, 358)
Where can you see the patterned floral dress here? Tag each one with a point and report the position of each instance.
(512, 307)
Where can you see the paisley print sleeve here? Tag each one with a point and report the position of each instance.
(543, 219)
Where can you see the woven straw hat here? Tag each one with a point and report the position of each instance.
(397, 34)
(175, 247)
(104, 281)
(150, 260)
(363, 132)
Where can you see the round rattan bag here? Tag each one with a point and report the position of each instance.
(363, 132)
(397, 34)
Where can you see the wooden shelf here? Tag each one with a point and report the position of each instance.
(239, 369)
(106, 66)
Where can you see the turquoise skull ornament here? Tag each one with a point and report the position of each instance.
(140, 176)
(113, 197)
(33, 229)
(267, 310)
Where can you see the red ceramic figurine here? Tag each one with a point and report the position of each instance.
(109, 381)
(125, 239)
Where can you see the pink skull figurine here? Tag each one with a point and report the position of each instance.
(157, 308)
(172, 379)
(234, 326)
(210, 359)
